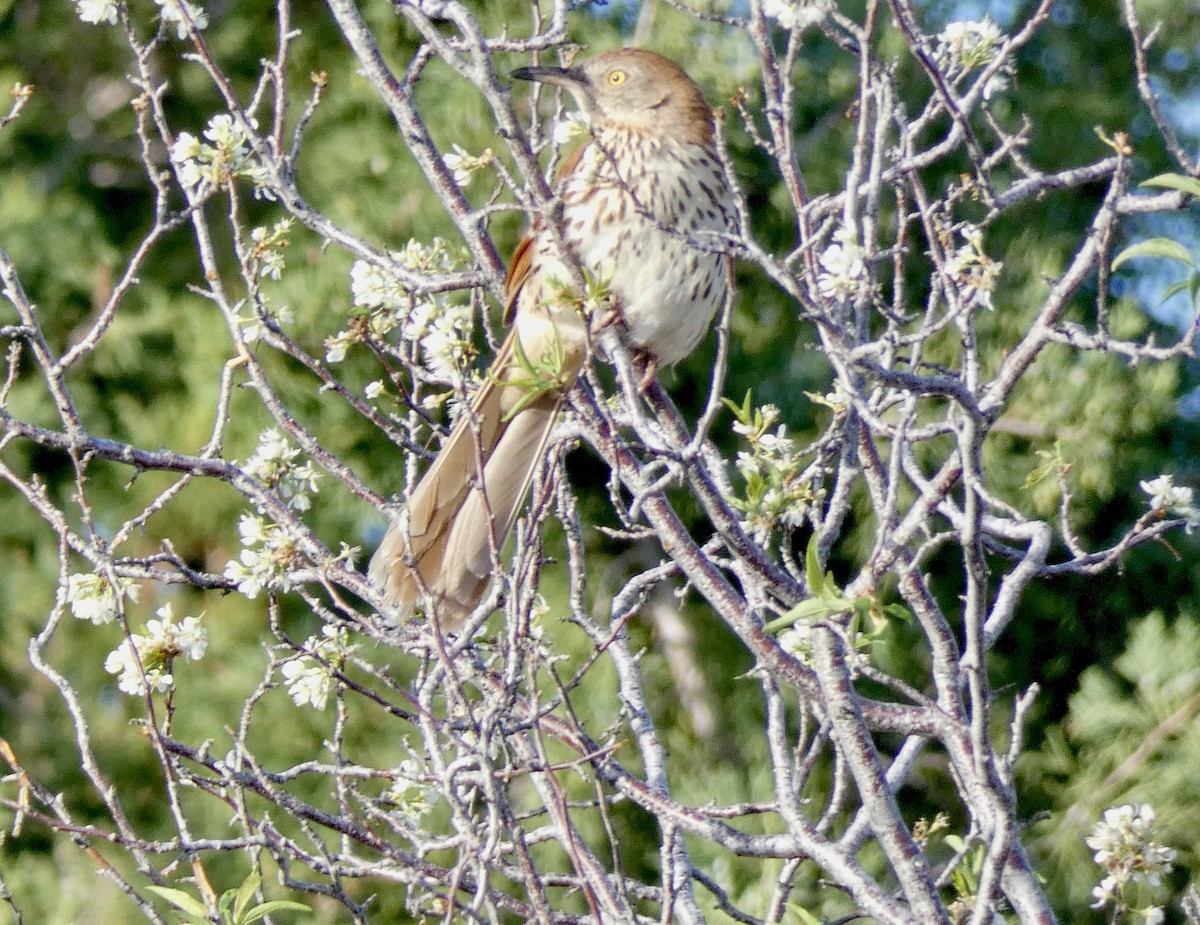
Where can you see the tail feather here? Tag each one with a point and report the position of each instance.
(440, 547)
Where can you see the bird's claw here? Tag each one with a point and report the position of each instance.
(649, 367)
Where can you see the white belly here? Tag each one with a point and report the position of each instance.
(651, 244)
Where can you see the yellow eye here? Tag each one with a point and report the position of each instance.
(616, 78)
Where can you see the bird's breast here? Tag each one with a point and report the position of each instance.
(641, 220)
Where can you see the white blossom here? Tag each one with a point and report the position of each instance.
(336, 347)
(1122, 845)
(266, 255)
(271, 264)
(1104, 892)
(996, 84)
(797, 640)
(768, 414)
(370, 287)
(374, 389)
(1169, 499)
(464, 164)
(431, 323)
(308, 683)
(793, 14)
(133, 677)
(226, 133)
(844, 271)
(185, 152)
(267, 561)
(276, 464)
(308, 678)
(572, 127)
(97, 11)
(252, 320)
(968, 45)
(186, 147)
(143, 661)
(778, 491)
(410, 797)
(1165, 494)
(974, 273)
(172, 11)
(92, 597)
(173, 637)
(252, 529)
(446, 341)
(226, 154)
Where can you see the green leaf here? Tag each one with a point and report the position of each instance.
(742, 411)
(812, 568)
(1191, 285)
(1051, 461)
(275, 905)
(813, 607)
(824, 606)
(544, 375)
(1175, 181)
(899, 612)
(1155, 247)
(245, 894)
(805, 917)
(180, 900)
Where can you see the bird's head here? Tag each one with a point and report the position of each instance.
(633, 89)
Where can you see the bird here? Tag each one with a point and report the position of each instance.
(644, 203)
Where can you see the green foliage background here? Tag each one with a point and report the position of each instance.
(74, 202)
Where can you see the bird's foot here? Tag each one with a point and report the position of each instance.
(645, 362)
(612, 315)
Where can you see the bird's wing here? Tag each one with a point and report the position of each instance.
(522, 259)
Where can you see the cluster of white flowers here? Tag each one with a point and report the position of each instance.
(267, 560)
(775, 494)
(967, 44)
(143, 661)
(93, 597)
(796, 14)
(225, 155)
(253, 324)
(308, 677)
(843, 270)
(572, 127)
(797, 639)
(441, 328)
(267, 248)
(276, 464)
(172, 11)
(465, 165)
(1123, 846)
(371, 287)
(410, 797)
(974, 272)
(97, 11)
(964, 46)
(265, 261)
(1173, 500)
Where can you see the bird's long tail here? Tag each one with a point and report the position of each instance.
(439, 551)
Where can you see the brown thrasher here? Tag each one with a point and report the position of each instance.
(641, 201)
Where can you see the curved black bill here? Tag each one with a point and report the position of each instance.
(544, 73)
